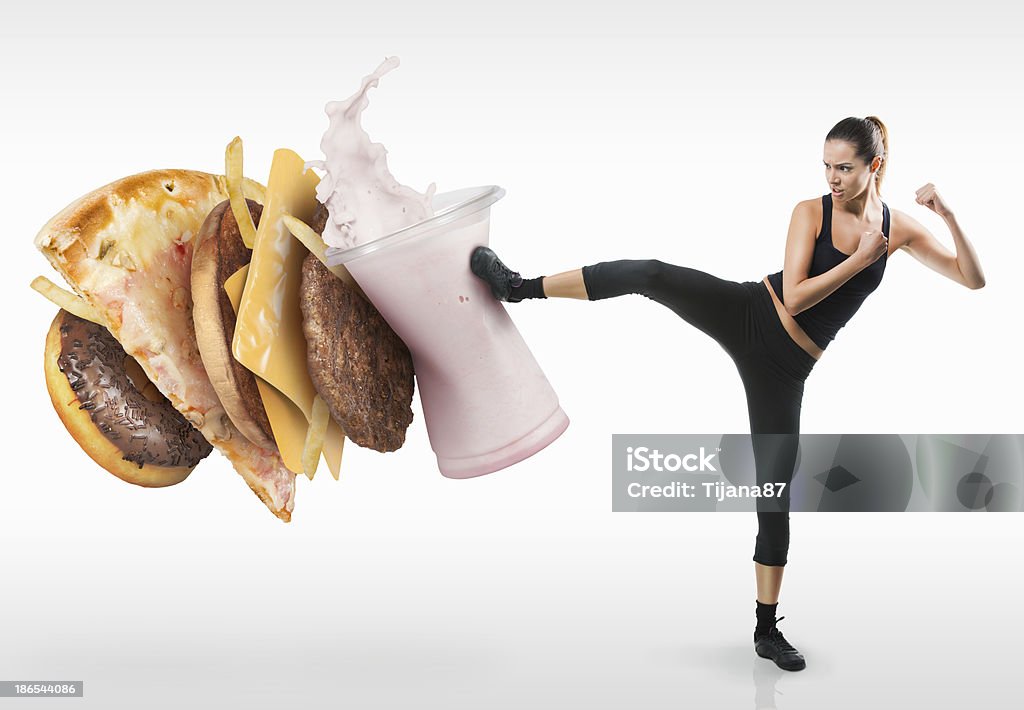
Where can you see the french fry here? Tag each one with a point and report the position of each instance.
(236, 186)
(315, 436)
(70, 302)
(254, 191)
(315, 243)
(330, 466)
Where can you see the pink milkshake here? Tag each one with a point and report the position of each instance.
(486, 402)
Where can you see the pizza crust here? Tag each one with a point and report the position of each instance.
(124, 225)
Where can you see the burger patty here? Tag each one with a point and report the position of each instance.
(359, 366)
(319, 221)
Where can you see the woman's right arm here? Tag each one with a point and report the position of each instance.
(801, 292)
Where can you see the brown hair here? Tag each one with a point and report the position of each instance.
(869, 137)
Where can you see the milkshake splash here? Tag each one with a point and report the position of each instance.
(364, 200)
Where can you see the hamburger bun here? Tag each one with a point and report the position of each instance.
(218, 253)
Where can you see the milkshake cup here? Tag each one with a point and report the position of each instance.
(486, 402)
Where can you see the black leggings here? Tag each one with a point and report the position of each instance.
(741, 317)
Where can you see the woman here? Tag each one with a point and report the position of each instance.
(776, 329)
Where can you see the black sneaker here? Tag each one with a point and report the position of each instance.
(774, 645)
(486, 264)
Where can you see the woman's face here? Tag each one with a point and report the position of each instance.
(847, 175)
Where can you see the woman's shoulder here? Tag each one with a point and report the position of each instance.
(809, 209)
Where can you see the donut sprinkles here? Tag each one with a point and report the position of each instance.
(147, 431)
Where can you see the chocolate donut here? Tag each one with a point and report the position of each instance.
(109, 406)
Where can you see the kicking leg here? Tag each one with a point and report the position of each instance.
(715, 306)
(568, 284)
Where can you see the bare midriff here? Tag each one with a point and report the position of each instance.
(799, 336)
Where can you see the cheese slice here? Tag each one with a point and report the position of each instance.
(268, 337)
(286, 420)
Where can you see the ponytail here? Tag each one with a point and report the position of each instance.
(885, 151)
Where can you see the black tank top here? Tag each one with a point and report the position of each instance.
(824, 319)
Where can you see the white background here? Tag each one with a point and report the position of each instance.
(631, 133)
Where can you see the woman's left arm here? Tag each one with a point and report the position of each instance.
(962, 267)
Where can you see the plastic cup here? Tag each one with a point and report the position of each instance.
(486, 402)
